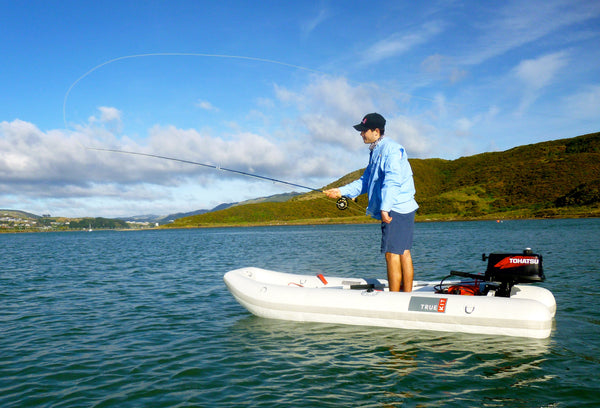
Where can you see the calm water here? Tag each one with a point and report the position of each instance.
(132, 319)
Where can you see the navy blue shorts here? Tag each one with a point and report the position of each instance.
(397, 236)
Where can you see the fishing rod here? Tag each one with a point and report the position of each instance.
(341, 203)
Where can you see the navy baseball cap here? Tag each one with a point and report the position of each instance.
(371, 121)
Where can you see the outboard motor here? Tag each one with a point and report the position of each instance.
(508, 269)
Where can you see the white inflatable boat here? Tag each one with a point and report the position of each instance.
(495, 303)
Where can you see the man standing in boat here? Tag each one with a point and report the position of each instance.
(388, 180)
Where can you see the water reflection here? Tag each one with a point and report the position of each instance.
(388, 362)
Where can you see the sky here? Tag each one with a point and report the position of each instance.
(272, 88)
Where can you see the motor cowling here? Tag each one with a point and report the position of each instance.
(512, 268)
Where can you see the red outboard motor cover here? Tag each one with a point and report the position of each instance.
(515, 268)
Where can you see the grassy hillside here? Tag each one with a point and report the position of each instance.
(534, 180)
(295, 211)
(18, 214)
(549, 179)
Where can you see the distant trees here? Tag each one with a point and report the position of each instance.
(98, 223)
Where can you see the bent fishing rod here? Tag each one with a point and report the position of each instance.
(341, 203)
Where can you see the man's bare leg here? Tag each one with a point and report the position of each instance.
(407, 271)
(394, 271)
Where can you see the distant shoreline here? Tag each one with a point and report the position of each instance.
(419, 219)
(559, 213)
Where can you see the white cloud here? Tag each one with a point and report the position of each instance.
(206, 106)
(445, 66)
(109, 117)
(242, 151)
(414, 135)
(457, 75)
(538, 73)
(109, 114)
(328, 107)
(434, 63)
(286, 95)
(522, 22)
(309, 26)
(399, 43)
(30, 154)
(106, 115)
(53, 171)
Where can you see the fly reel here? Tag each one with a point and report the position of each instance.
(342, 202)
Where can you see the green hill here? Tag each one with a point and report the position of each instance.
(535, 180)
(559, 178)
(18, 214)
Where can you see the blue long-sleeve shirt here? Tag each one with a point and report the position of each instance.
(388, 180)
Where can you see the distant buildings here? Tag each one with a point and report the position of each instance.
(9, 222)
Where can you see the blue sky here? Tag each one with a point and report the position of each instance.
(273, 88)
